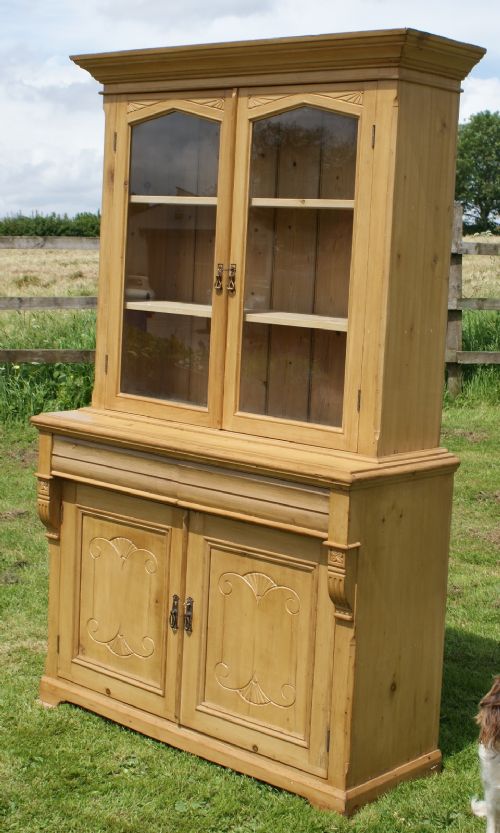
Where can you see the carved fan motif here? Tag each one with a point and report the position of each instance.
(214, 103)
(259, 100)
(353, 97)
(139, 105)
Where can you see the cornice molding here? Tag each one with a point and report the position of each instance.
(370, 51)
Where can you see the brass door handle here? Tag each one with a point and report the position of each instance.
(173, 618)
(218, 277)
(231, 280)
(231, 283)
(188, 615)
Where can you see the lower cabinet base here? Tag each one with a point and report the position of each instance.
(317, 790)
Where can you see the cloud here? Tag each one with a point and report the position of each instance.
(67, 183)
(479, 94)
(52, 124)
(184, 11)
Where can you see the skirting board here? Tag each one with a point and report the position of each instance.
(316, 790)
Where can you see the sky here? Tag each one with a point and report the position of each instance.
(52, 125)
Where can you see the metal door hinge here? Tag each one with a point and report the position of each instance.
(373, 135)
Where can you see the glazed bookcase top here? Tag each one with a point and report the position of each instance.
(373, 52)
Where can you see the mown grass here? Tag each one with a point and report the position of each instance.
(66, 769)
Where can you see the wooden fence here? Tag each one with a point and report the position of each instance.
(455, 356)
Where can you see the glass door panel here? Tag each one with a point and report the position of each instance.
(169, 263)
(298, 256)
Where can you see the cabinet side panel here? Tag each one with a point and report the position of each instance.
(401, 598)
(419, 267)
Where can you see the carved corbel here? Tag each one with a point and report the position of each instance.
(342, 575)
(49, 505)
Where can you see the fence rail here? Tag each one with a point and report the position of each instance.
(29, 242)
(456, 358)
(47, 356)
(31, 302)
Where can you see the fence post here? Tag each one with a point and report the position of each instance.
(454, 331)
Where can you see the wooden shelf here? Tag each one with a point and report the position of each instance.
(295, 319)
(171, 307)
(152, 199)
(282, 202)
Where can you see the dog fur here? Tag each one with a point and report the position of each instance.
(488, 719)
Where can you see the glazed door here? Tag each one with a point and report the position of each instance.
(257, 661)
(170, 311)
(120, 571)
(295, 339)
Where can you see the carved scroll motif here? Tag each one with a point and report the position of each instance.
(49, 506)
(342, 574)
(119, 566)
(249, 674)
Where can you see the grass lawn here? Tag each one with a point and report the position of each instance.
(67, 770)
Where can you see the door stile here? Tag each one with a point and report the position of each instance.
(179, 582)
(114, 255)
(222, 255)
(238, 254)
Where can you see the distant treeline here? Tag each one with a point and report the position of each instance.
(85, 224)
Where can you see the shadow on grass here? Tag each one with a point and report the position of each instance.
(470, 662)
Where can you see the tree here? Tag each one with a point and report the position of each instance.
(478, 170)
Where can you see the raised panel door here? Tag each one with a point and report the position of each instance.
(257, 664)
(121, 568)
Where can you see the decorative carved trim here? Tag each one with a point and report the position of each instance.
(214, 103)
(139, 105)
(49, 505)
(112, 625)
(249, 680)
(353, 97)
(342, 574)
(259, 100)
